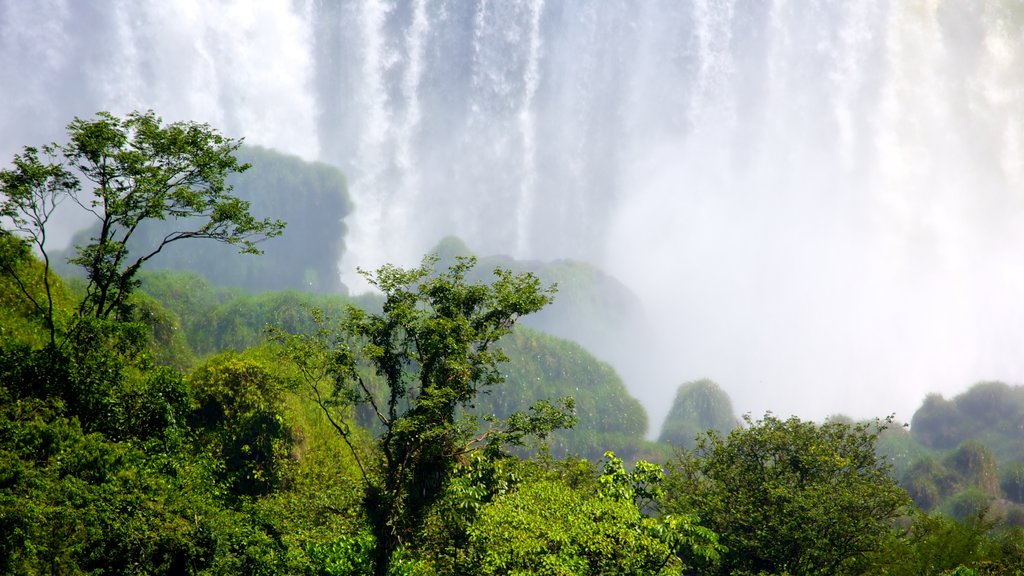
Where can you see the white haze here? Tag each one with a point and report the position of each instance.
(821, 203)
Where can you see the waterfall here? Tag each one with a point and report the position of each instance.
(822, 201)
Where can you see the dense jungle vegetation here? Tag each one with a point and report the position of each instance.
(158, 418)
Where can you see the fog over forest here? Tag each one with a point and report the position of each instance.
(820, 203)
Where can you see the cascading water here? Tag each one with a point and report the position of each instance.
(822, 201)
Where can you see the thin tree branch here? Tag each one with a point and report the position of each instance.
(343, 431)
(369, 398)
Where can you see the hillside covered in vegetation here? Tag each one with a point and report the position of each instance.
(164, 422)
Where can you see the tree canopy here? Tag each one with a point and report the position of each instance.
(125, 172)
(156, 431)
(433, 349)
(790, 496)
(306, 258)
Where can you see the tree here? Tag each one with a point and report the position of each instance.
(789, 496)
(126, 171)
(699, 406)
(937, 545)
(240, 420)
(547, 527)
(290, 189)
(432, 350)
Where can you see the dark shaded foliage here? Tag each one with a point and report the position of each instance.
(239, 419)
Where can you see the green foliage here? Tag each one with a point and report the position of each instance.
(968, 503)
(96, 374)
(218, 319)
(595, 309)
(928, 482)
(976, 466)
(935, 423)
(126, 172)
(548, 527)
(644, 487)
(788, 496)
(29, 194)
(939, 545)
(146, 484)
(599, 313)
(102, 470)
(191, 298)
(305, 258)
(343, 557)
(29, 294)
(433, 346)
(240, 419)
(116, 462)
(75, 502)
(475, 482)
(898, 446)
(167, 344)
(542, 366)
(699, 406)
(989, 413)
(154, 407)
(353, 556)
(934, 545)
(971, 469)
(318, 501)
(980, 429)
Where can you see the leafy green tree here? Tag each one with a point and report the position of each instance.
(549, 528)
(78, 502)
(30, 194)
(433, 349)
(289, 188)
(21, 284)
(934, 545)
(594, 309)
(789, 496)
(968, 503)
(699, 406)
(569, 520)
(125, 172)
(239, 418)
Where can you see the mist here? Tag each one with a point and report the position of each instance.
(820, 204)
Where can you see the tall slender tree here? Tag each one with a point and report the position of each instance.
(432, 350)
